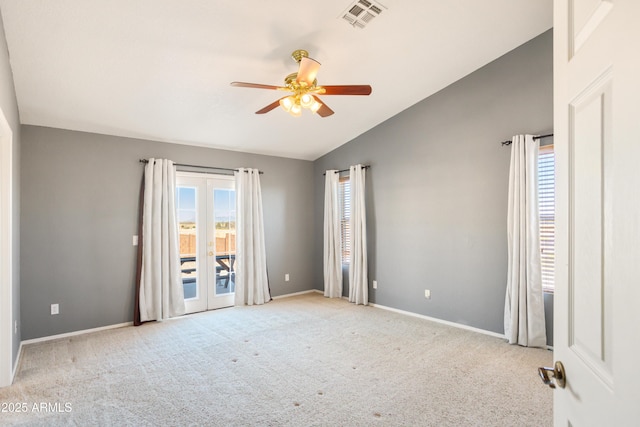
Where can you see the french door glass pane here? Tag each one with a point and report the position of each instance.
(186, 204)
(224, 212)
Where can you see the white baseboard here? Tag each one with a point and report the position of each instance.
(16, 365)
(383, 307)
(119, 325)
(432, 319)
(444, 322)
(295, 294)
(71, 334)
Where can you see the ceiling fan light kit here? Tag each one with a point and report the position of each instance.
(294, 104)
(304, 88)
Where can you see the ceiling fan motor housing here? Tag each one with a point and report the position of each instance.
(298, 54)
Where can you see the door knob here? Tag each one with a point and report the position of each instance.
(210, 253)
(557, 372)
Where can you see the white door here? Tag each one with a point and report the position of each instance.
(206, 217)
(597, 145)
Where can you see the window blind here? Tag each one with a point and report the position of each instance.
(345, 214)
(546, 201)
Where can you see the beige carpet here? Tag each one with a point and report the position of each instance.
(299, 361)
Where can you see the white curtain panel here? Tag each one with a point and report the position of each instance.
(358, 281)
(252, 285)
(332, 236)
(524, 322)
(161, 292)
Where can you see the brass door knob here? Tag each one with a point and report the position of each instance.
(557, 373)
(210, 253)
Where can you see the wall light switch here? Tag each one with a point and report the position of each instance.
(427, 294)
(55, 309)
(375, 284)
(286, 277)
(135, 240)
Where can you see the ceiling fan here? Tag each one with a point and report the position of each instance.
(305, 89)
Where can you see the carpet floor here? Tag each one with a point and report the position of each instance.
(299, 361)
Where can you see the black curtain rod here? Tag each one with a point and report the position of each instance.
(200, 167)
(347, 170)
(535, 137)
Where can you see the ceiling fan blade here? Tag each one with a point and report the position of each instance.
(269, 107)
(256, 86)
(324, 110)
(308, 71)
(347, 90)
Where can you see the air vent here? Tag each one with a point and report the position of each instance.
(367, 17)
(351, 20)
(356, 10)
(361, 12)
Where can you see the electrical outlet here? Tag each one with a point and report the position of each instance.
(55, 309)
(427, 294)
(135, 240)
(375, 284)
(286, 277)
(15, 327)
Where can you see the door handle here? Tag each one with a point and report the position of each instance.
(557, 373)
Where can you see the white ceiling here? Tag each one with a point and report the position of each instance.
(160, 69)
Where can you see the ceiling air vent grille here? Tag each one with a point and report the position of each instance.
(367, 17)
(361, 12)
(356, 10)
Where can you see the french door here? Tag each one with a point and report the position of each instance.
(206, 207)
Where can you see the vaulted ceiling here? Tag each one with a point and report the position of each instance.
(160, 69)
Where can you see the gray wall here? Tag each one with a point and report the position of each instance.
(436, 204)
(437, 189)
(9, 107)
(79, 212)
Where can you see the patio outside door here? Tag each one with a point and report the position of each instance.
(207, 226)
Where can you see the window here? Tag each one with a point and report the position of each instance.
(344, 193)
(546, 201)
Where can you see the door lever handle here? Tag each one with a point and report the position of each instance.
(557, 373)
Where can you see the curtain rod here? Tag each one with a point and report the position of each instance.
(200, 167)
(535, 137)
(347, 170)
